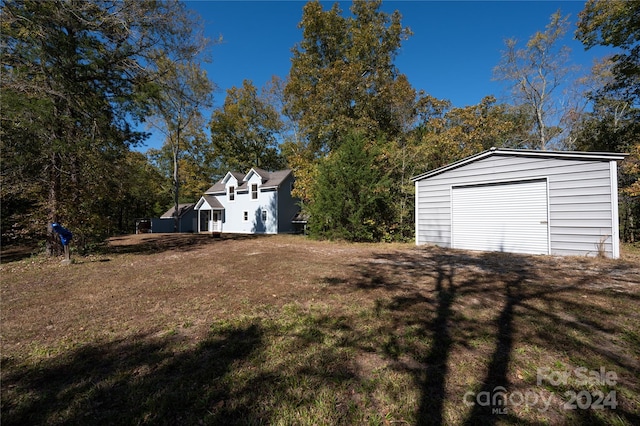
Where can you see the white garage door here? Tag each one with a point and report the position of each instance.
(509, 217)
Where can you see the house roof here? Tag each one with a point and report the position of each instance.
(213, 202)
(261, 172)
(572, 155)
(269, 180)
(218, 187)
(182, 209)
(275, 179)
(239, 176)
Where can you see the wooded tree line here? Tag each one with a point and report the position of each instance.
(77, 76)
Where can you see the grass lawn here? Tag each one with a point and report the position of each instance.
(189, 329)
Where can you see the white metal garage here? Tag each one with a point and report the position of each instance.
(525, 201)
(506, 216)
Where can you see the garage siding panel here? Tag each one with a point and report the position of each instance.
(579, 194)
(433, 214)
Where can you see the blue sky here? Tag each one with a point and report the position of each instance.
(451, 55)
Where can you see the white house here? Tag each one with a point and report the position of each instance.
(259, 202)
(523, 201)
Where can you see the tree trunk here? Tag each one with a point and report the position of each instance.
(542, 133)
(52, 245)
(176, 181)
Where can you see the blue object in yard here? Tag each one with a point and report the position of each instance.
(65, 234)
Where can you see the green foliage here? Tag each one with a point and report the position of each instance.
(197, 164)
(351, 195)
(183, 89)
(126, 189)
(342, 76)
(613, 124)
(616, 24)
(244, 129)
(75, 75)
(450, 134)
(343, 81)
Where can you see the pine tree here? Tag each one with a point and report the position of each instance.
(351, 198)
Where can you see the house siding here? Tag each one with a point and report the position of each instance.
(186, 223)
(233, 218)
(580, 199)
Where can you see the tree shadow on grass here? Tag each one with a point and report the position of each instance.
(448, 322)
(449, 289)
(232, 378)
(137, 380)
(14, 253)
(158, 243)
(132, 244)
(525, 297)
(248, 371)
(424, 289)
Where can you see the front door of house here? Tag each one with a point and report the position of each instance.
(215, 221)
(205, 219)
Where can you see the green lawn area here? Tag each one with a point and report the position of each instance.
(189, 329)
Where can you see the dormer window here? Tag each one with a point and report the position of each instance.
(232, 193)
(254, 191)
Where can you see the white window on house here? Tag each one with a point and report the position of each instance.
(232, 193)
(245, 216)
(264, 215)
(254, 191)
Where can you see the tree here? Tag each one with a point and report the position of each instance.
(610, 125)
(455, 133)
(613, 124)
(137, 192)
(536, 74)
(183, 90)
(342, 76)
(615, 24)
(75, 75)
(244, 129)
(351, 198)
(342, 81)
(197, 164)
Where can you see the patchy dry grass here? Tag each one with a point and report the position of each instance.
(187, 329)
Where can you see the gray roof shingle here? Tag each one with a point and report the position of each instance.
(271, 180)
(213, 202)
(275, 179)
(182, 209)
